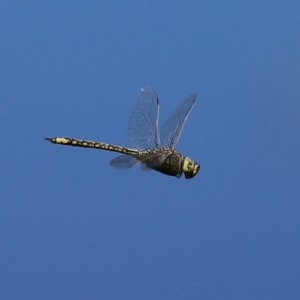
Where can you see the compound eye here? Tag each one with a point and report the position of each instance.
(190, 168)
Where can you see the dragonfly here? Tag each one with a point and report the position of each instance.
(154, 149)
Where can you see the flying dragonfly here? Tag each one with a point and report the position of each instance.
(153, 148)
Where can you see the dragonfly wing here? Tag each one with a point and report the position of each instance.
(172, 128)
(123, 162)
(144, 168)
(143, 122)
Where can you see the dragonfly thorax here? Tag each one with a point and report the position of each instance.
(168, 161)
(164, 160)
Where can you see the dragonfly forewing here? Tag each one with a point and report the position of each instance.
(171, 130)
(143, 121)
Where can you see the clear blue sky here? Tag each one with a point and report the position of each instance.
(72, 227)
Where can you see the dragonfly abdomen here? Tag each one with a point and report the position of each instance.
(91, 144)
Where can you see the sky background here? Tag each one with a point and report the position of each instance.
(72, 227)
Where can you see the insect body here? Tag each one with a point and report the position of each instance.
(154, 149)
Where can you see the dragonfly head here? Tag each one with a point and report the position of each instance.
(190, 168)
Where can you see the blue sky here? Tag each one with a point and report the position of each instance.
(72, 227)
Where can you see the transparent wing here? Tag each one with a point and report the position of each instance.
(171, 130)
(144, 168)
(123, 162)
(143, 121)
